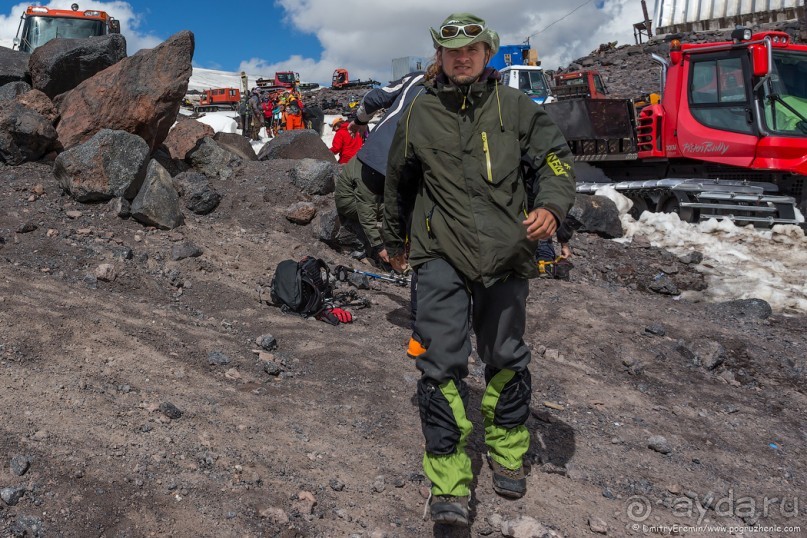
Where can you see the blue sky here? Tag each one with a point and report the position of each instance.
(223, 42)
(313, 37)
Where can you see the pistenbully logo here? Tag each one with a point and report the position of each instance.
(707, 146)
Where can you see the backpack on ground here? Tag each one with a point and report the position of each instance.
(302, 286)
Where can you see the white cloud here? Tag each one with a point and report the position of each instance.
(130, 21)
(365, 36)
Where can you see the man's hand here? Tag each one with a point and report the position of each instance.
(540, 224)
(398, 263)
(383, 256)
(565, 250)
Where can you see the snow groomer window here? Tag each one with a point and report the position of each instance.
(718, 95)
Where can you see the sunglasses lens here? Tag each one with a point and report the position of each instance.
(472, 30)
(450, 30)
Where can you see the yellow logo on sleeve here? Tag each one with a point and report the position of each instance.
(559, 167)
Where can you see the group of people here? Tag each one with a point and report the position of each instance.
(276, 112)
(459, 181)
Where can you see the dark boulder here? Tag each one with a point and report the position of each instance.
(299, 144)
(157, 203)
(328, 229)
(314, 177)
(196, 192)
(25, 135)
(13, 89)
(60, 65)
(110, 164)
(13, 66)
(745, 308)
(597, 214)
(236, 144)
(212, 160)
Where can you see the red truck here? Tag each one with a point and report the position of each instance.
(218, 99)
(580, 84)
(341, 81)
(727, 140)
(284, 80)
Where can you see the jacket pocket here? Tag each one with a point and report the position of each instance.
(501, 156)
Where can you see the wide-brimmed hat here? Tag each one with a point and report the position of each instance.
(461, 29)
(336, 122)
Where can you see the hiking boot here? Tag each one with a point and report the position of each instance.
(507, 482)
(448, 510)
(415, 349)
(546, 269)
(562, 269)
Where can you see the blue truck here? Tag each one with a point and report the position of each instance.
(514, 55)
(519, 68)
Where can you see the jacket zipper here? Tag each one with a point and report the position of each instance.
(486, 150)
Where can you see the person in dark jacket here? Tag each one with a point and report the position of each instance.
(360, 184)
(256, 113)
(244, 114)
(458, 147)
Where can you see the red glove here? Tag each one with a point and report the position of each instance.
(342, 315)
(335, 316)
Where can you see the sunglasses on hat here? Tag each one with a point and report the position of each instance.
(453, 30)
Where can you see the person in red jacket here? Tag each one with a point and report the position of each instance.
(347, 141)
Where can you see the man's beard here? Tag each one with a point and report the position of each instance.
(463, 80)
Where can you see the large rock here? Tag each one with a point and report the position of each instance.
(196, 192)
(184, 137)
(314, 177)
(328, 229)
(157, 203)
(111, 164)
(38, 101)
(140, 94)
(25, 135)
(237, 144)
(745, 308)
(298, 144)
(597, 214)
(13, 89)
(60, 65)
(212, 160)
(13, 66)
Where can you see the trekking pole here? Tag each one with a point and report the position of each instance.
(341, 274)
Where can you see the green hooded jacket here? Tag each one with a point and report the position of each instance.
(459, 152)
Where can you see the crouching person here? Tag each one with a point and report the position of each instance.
(361, 209)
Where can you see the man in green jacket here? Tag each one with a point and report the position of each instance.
(360, 209)
(458, 149)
